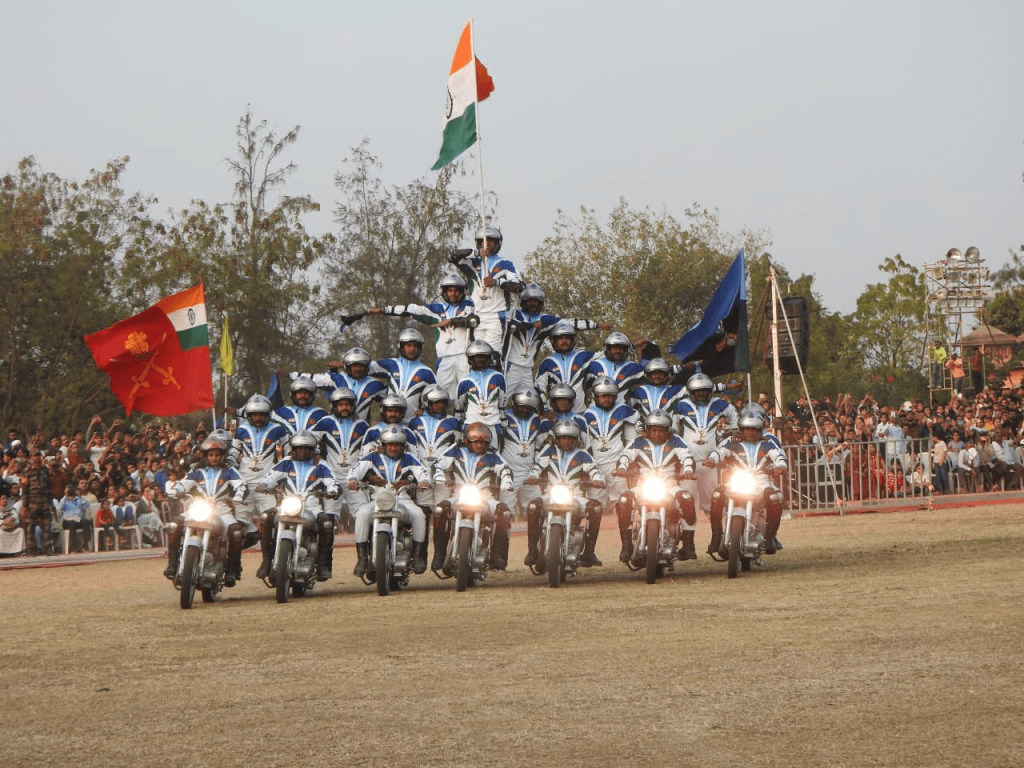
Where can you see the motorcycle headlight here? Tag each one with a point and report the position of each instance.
(385, 500)
(561, 494)
(653, 489)
(743, 483)
(470, 496)
(201, 511)
(291, 506)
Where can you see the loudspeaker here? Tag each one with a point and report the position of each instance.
(797, 347)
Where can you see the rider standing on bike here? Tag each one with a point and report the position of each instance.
(302, 475)
(478, 463)
(762, 456)
(390, 465)
(341, 442)
(616, 365)
(661, 453)
(224, 487)
(567, 463)
(611, 428)
(302, 413)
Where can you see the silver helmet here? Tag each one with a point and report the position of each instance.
(258, 404)
(435, 393)
(452, 280)
(699, 382)
(656, 364)
(303, 384)
(479, 347)
(559, 391)
(393, 400)
(532, 291)
(393, 435)
(526, 398)
(356, 356)
(342, 393)
(410, 335)
(605, 386)
(213, 443)
(491, 233)
(658, 418)
(303, 439)
(563, 328)
(566, 428)
(616, 339)
(751, 420)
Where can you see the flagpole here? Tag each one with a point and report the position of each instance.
(479, 138)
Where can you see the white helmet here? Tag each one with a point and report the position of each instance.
(700, 382)
(303, 384)
(491, 233)
(605, 386)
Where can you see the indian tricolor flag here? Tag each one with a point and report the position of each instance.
(158, 361)
(468, 85)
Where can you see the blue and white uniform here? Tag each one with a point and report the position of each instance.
(406, 467)
(341, 444)
(494, 302)
(704, 428)
(525, 333)
(520, 441)
(670, 461)
(435, 436)
(254, 453)
(626, 374)
(308, 480)
(408, 378)
(608, 434)
(569, 368)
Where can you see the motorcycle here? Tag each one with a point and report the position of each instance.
(469, 548)
(390, 542)
(204, 553)
(295, 552)
(561, 540)
(743, 523)
(654, 538)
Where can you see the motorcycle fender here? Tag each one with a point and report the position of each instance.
(384, 528)
(465, 523)
(287, 534)
(556, 520)
(194, 541)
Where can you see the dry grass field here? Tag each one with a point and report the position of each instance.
(871, 640)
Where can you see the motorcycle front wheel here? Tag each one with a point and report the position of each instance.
(383, 563)
(464, 571)
(555, 534)
(189, 576)
(736, 526)
(652, 534)
(283, 572)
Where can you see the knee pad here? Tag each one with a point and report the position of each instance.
(235, 532)
(535, 507)
(503, 514)
(325, 523)
(594, 509)
(686, 507)
(625, 502)
(442, 509)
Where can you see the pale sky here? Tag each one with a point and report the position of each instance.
(850, 131)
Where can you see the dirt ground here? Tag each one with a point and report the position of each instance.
(870, 640)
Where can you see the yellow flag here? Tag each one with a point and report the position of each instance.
(227, 355)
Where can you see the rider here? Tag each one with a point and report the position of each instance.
(756, 453)
(523, 433)
(253, 454)
(475, 462)
(562, 402)
(481, 392)
(566, 365)
(616, 365)
(704, 422)
(436, 432)
(340, 436)
(565, 462)
(302, 475)
(527, 329)
(405, 374)
(611, 428)
(392, 413)
(663, 454)
(453, 320)
(302, 413)
(657, 392)
(390, 465)
(492, 281)
(224, 487)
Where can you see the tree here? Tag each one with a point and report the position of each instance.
(887, 330)
(254, 257)
(393, 245)
(644, 272)
(60, 242)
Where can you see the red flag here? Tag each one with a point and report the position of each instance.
(148, 370)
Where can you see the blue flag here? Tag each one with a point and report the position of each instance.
(718, 343)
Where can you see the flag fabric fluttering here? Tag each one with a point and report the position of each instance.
(719, 341)
(227, 352)
(158, 361)
(468, 85)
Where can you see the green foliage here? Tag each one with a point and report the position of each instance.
(644, 272)
(1006, 311)
(59, 242)
(392, 248)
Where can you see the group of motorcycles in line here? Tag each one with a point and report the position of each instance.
(202, 565)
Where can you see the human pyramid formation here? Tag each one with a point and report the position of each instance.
(484, 417)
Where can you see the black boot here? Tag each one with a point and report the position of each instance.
(771, 543)
(499, 546)
(442, 521)
(173, 553)
(626, 553)
(532, 536)
(362, 558)
(267, 548)
(686, 550)
(589, 557)
(716, 530)
(325, 552)
(419, 556)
